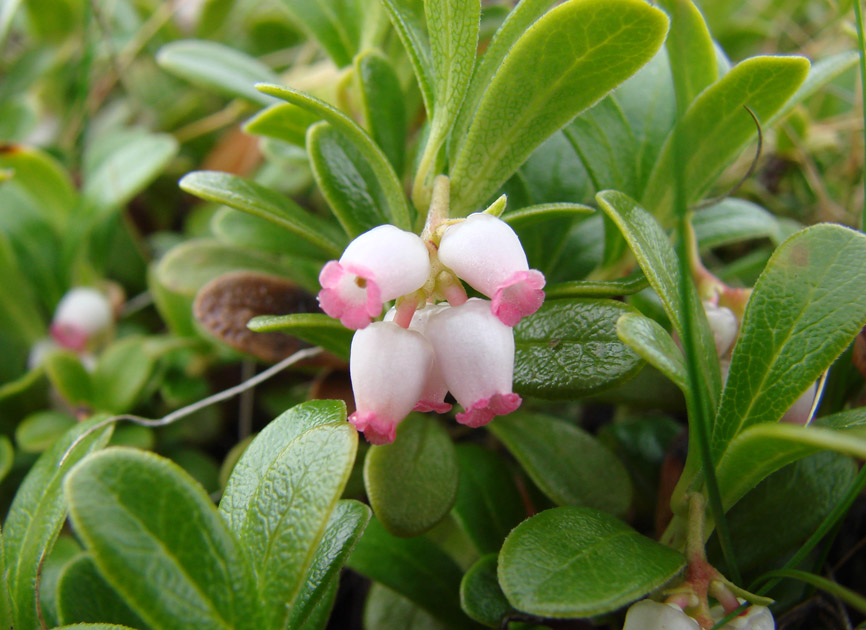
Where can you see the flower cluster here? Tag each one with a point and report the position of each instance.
(651, 615)
(434, 340)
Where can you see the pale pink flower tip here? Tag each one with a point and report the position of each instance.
(377, 429)
(519, 296)
(483, 411)
(349, 294)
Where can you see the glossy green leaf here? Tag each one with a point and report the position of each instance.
(657, 258)
(545, 448)
(412, 483)
(282, 121)
(489, 503)
(692, 50)
(140, 515)
(652, 342)
(346, 180)
(388, 609)
(37, 514)
(544, 212)
(217, 67)
(597, 288)
(332, 23)
(480, 595)
(578, 562)
(734, 220)
(805, 309)
(407, 16)
(282, 492)
(315, 328)
(397, 208)
(562, 74)
(716, 127)
(38, 431)
(128, 169)
(414, 567)
(69, 377)
(384, 106)
(43, 178)
(345, 527)
(257, 200)
(569, 349)
(84, 596)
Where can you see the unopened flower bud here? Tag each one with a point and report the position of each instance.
(83, 315)
(389, 367)
(651, 615)
(724, 325)
(485, 252)
(475, 352)
(380, 265)
(801, 411)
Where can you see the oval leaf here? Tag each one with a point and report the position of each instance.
(480, 595)
(83, 595)
(655, 345)
(316, 328)
(384, 107)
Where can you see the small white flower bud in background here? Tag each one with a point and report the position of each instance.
(724, 324)
(651, 615)
(82, 316)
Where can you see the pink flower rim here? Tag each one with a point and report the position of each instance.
(484, 410)
(69, 336)
(343, 298)
(376, 428)
(519, 296)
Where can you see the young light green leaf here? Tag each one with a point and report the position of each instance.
(414, 567)
(563, 74)
(569, 349)
(315, 328)
(489, 503)
(407, 16)
(42, 177)
(383, 103)
(412, 483)
(332, 23)
(345, 526)
(64, 551)
(70, 379)
(734, 220)
(805, 309)
(217, 67)
(283, 121)
(387, 609)
(692, 50)
(37, 514)
(480, 595)
(140, 515)
(652, 342)
(282, 492)
(250, 197)
(820, 74)
(83, 595)
(121, 374)
(578, 562)
(542, 445)
(716, 127)
(38, 431)
(397, 208)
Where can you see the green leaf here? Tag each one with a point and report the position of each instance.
(383, 103)
(346, 180)
(38, 431)
(657, 258)
(388, 609)
(820, 74)
(545, 446)
(412, 483)
(7, 458)
(415, 568)
(248, 231)
(42, 178)
(578, 562)
(37, 514)
(489, 503)
(805, 309)
(93, 626)
(19, 314)
(480, 595)
(282, 492)
(345, 526)
(315, 328)
(65, 550)
(140, 516)
(282, 121)
(126, 170)
(597, 288)
(563, 74)
(397, 208)
(332, 23)
(828, 586)
(544, 212)
(692, 50)
(652, 342)
(69, 377)
(569, 349)
(123, 370)
(734, 220)
(83, 595)
(217, 67)
(407, 16)
(257, 200)
(716, 127)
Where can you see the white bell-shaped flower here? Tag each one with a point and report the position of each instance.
(754, 618)
(724, 324)
(485, 252)
(435, 389)
(83, 314)
(801, 411)
(389, 366)
(380, 265)
(476, 354)
(650, 615)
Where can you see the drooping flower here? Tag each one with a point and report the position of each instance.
(651, 615)
(83, 315)
(475, 352)
(380, 265)
(389, 367)
(485, 252)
